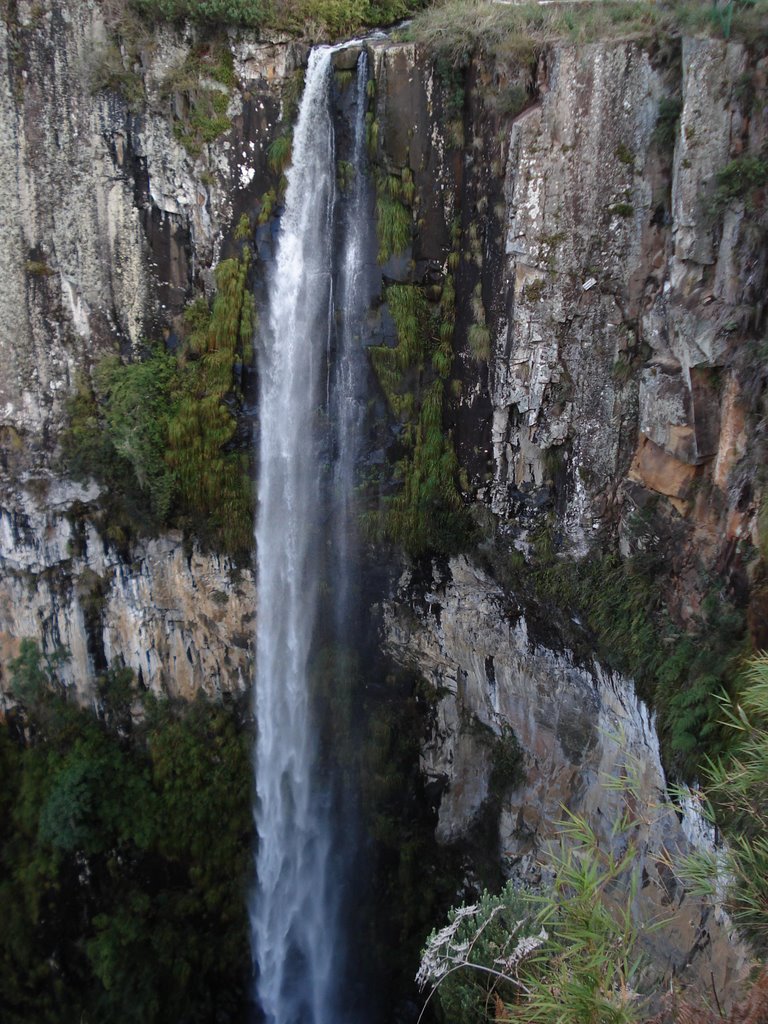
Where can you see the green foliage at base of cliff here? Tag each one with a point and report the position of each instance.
(428, 513)
(566, 954)
(158, 434)
(125, 849)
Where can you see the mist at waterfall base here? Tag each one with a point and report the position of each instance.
(312, 381)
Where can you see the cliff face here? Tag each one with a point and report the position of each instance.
(587, 747)
(607, 300)
(181, 619)
(619, 295)
(109, 222)
(616, 300)
(623, 298)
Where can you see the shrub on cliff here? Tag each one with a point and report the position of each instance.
(158, 433)
(737, 788)
(567, 955)
(136, 399)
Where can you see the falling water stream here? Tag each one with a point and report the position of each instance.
(348, 394)
(295, 904)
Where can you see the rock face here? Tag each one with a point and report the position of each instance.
(625, 292)
(181, 619)
(613, 296)
(618, 291)
(588, 748)
(109, 223)
(109, 219)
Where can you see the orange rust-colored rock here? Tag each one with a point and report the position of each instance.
(658, 471)
(733, 436)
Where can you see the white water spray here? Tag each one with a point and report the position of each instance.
(295, 903)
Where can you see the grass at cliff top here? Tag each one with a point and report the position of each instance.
(457, 27)
(326, 19)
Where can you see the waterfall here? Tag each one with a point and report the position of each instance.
(348, 395)
(295, 904)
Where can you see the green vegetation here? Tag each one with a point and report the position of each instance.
(268, 204)
(204, 107)
(371, 134)
(452, 80)
(428, 513)
(135, 403)
(509, 102)
(624, 621)
(159, 434)
(343, 79)
(113, 71)
(345, 175)
(458, 960)
(207, 120)
(738, 180)
(125, 851)
(394, 225)
(567, 955)
(279, 153)
(478, 334)
(455, 28)
(213, 479)
(506, 763)
(394, 220)
(216, 12)
(479, 338)
(411, 313)
(534, 291)
(667, 121)
(737, 788)
(292, 90)
(744, 92)
(242, 233)
(334, 18)
(38, 268)
(623, 368)
(624, 210)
